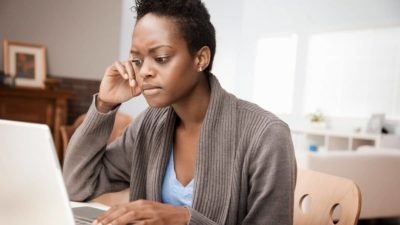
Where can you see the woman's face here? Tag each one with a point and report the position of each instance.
(164, 68)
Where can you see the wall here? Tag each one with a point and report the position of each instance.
(262, 18)
(226, 16)
(82, 37)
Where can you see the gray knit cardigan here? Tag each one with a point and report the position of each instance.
(245, 169)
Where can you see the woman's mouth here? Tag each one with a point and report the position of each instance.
(149, 89)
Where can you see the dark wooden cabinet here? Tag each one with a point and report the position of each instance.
(38, 106)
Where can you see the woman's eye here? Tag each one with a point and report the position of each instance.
(137, 62)
(162, 59)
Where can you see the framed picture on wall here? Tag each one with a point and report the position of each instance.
(25, 62)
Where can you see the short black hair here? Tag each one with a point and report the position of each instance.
(193, 20)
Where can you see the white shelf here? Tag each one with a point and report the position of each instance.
(336, 140)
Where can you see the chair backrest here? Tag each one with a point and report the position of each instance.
(68, 130)
(320, 198)
(121, 122)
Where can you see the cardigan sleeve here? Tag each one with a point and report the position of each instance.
(196, 218)
(91, 167)
(272, 178)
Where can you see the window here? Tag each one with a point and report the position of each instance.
(274, 73)
(354, 73)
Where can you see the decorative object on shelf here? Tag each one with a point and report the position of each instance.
(317, 120)
(375, 123)
(313, 148)
(25, 62)
(6, 80)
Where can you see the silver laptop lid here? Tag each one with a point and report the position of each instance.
(32, 190)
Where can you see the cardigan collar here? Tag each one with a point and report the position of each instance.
(215, 155)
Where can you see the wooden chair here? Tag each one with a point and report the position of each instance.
(121, 122)
(317, 195)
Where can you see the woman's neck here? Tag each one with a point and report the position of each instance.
(192, 109)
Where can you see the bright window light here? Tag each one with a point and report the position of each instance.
(274, 73)
(354, 73)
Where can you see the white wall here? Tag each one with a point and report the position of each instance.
(270, 17)
(226, 16)
(262, 18)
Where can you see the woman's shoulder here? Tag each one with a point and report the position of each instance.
(254, 122)
(251, 112)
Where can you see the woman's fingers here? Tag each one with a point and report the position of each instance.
(100, 218)
(121, 69)
(132, 217)
(123, 214)
(114, 215)
(131, 73)
(144, 212)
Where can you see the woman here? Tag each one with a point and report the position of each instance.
(197, 155)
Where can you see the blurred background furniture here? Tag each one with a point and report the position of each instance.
(375, 171)
(325, 199)
(37, 106)
(121, 122)
(334, 139)
(331, 140)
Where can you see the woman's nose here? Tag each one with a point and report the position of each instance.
(146, 69)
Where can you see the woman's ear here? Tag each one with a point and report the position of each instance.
(202, 58)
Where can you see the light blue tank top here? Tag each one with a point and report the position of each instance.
(173, 192)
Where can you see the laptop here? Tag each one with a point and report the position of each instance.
(32, 189)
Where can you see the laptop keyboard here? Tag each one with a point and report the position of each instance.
(82, 221)
(85, 215)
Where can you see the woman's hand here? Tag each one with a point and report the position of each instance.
(117, 86)
(144, 212)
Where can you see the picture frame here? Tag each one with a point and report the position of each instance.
(25, 62)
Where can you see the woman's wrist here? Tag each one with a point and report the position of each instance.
(102, 106)
(185, 215)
